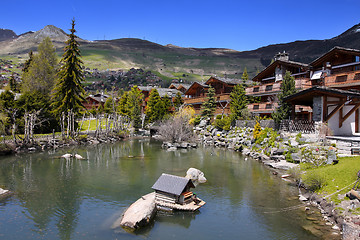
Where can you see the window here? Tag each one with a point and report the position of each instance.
(256, 89)
(256, 107)
(342, 78)
(357, 59)
(269, 88)
(268, 106)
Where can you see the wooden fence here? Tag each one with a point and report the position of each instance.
(304, 126)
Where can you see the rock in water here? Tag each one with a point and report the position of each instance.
(195, 175)
(140, 213)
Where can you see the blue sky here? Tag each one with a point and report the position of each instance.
(239, 25)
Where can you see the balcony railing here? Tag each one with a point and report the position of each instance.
(272, 88)
(262, 107)
(200, 100)
(351, 78)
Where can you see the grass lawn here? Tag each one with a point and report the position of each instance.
(337, 176)
(92, 123)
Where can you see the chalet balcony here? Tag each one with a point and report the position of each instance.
(274, 88)
(343, 79)
(199, 100)
(262, 107)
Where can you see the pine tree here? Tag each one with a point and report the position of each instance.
(167, 104)
(135, 98)
(245, 75)
(28, 62)
(209, 107)
(155, 107)
(40, 72)
(123, 108)
(287, 89)
(68, 92)
(178, 101)
(238, 101)
(12, 83)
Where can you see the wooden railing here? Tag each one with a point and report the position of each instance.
(262, 107)
(304, 126)
(200, 100)
(275, 87)
(350, 78)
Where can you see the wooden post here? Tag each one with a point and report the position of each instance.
(357, 120)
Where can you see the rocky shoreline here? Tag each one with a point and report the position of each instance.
(274, 153)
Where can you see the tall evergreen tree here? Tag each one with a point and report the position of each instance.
(13, 84)
(238, 101)
(155, 107)
(135, 98)
(245, 75)
(209, 107)
(28, 62)
(287, 89)
(178, 101)
(123, 108)
(68, 92)
(40, 74)
(167, 104)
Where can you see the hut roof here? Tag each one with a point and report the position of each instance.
(172, 184)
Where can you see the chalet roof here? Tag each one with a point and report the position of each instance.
(178, 85)
(98, 97)
(162, 91)
(225, 80)
(305, 97)
(332, 52)
(195, 85)
(271, 68)
(171, 184)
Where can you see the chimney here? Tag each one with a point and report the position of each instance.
(282, 56)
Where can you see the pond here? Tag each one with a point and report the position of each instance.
(81, 199)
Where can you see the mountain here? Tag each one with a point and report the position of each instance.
(30, 40)
(7, 34)
(178, 62)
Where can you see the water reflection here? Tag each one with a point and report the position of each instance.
(58, 198)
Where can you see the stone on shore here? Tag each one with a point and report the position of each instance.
(140, 213)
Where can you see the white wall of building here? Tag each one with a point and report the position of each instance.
(333, 123)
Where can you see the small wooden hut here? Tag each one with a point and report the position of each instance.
(173, 189)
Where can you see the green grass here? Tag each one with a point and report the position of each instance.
(337, 176)
(92, 123)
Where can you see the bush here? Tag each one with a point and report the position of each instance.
(295, 173)
(314, 181)
(195, 121)
(257, 130)
(223, 123)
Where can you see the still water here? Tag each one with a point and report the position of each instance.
(73, 199)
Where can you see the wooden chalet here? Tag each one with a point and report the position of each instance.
(269, 82)
(170, 93)
(195, 96)
(174, 192)
(180, 86)
(94, 101)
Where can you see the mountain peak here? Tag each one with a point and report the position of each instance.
(52, 32)
(350, 31)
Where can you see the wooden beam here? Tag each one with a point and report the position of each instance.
(325, 108)
(350, 112)
(340, 117)
(339, 107)
(357, 120)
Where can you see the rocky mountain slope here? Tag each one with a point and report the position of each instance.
(7, 34)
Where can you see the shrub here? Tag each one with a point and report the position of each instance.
(223, 123)
(257, 130)
(314, 181)
(195, 121)
(295, 173)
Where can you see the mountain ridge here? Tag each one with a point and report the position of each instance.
(170, 59)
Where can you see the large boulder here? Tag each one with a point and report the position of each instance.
(196, 176)
(139, 214)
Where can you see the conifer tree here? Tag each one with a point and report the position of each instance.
(155, 107)
(167, 104)
(287, 89)
(12, 83)
(209, 107)
(68, 92)
(135, 98)
(238, 101)
(122, 108)
(28, 62)
(245, 75)
(178, 101)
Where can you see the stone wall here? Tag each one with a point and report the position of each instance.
(251, 123)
